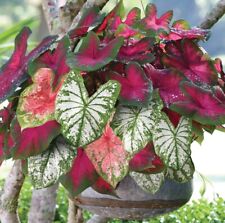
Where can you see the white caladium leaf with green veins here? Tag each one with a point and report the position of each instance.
(46, 168)
(148, 182)
(182, 175)
(173, 144)
(134, 125)
(84, 118)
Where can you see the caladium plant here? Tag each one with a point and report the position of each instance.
(116, 95)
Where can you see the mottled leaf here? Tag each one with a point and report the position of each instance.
(171, 144)
(46, 168)
(91, 55)
(109, 157)
(83, 119)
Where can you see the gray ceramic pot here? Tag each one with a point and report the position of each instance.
(133, 202)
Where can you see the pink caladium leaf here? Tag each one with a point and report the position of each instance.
(187, 57)
(37, 102)
(81, 176)
(167, 81)
(109, 157)
(139, 51)
(53, 59)
(201, 105)
(101, 186)
(32, 141)
(14, 72)
(92, 56)
(136, 88)
(150, 21)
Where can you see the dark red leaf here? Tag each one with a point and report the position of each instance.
(173, 116)
(13, 73)
(135, 87)
(81, 176)
(101, 186)
(187, 57)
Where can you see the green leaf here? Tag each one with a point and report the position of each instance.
(173, 144)
(134, 125)
(83, 119)
(46, 168)
(148, 182)
(183, 174)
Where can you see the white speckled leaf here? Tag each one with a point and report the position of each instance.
(173, 144)
(148, 182)
(83, 119)
(134, 126)
(46, 168)
(182, 175)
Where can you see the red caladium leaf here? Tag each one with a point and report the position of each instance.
(201, 105)
(13, 73)
(173, 116)
(81, 176)
(37, 102)
(135, 87)
(167, 81)
(109, 157)
(139, 51)
(53, 59)
(92, 56)
(152, 22)
(187, 57)
(32, 141)
(101, 186)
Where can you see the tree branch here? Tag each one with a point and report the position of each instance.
(214, 15)
(10, 194)
(98, 219)
(75, 214)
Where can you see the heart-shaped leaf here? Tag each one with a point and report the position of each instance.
(187, 57)
(13, 73)
(135, 125)
(183, 174)
(91, 56)
(202, 105)
(46, 168)
(109, 157)
(83, 119)
(173, 144)
(150, 21)
(37, 102)
(148, 182)
(136, 88)
(81, 176)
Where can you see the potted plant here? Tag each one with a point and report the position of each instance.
(111, 98)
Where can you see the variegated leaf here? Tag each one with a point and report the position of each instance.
(182, 175)
(148, 182)
(134, 125)
(83, 119)
(173, 144)
(46, 168)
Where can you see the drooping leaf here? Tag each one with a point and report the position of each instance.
(109, 157)
(171, 144)
(150, 21)
(187, 57)
(184, 174)
(146, 160)
(81, 176)
(83, 119)
(135, 125)
(37, 102)
(32, 141)
(13, 73)
(201, 105)
(91, 56)
(53, 59)
(148, 182)
(168, 82)
(46, 168)
(139, 51)
(136, 89)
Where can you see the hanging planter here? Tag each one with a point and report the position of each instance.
(116, 96)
